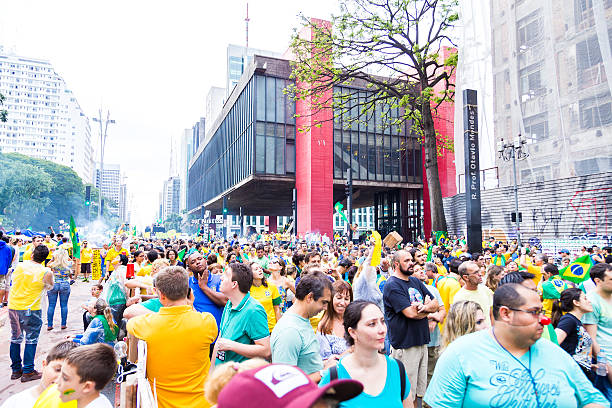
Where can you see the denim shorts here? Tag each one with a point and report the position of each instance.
(21, 323)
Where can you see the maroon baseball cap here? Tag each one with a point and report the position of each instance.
(280, 385)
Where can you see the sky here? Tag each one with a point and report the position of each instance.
(150, 63)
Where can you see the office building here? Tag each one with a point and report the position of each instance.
(124, 214)
(238, 59)
(551, 62)
(215, 98)
(45, 120)
(171, 197)
(110, 185)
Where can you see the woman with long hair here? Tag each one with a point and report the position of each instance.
(494, 275)
(464, 317)
(567, 315)
(102, 328)
(330, 331)
(61, 266)
(172, 257)
(278, 277)
(267, 294)
(384, 378)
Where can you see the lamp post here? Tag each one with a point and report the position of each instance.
(514, 151)
(103, 128)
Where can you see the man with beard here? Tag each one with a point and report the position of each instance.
(205, 287)
(510, 365)
(408, 304)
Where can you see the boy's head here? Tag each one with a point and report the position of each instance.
(86, 371)
(52, 365)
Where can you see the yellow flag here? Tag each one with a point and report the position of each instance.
(377, 248)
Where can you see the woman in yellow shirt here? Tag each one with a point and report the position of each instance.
(267, 294)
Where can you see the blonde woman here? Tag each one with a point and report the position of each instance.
(61, 266)
(464, 317)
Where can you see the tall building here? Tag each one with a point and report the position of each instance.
(551, 60)
(198, 132)
(214, 103)
(171, 197)
(45, 120)
(238, 58)
(185, 154)
(110, 185)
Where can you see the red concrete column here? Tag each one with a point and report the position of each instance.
(314, 161)
(272, 224)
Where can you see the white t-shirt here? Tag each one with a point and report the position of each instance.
(100, 402)
(24, 399)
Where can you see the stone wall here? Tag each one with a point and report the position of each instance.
(571, 208)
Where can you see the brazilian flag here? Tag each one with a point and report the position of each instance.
(74, 238)
(441, 237)
(577, 271)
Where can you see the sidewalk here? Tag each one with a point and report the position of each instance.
(80, 293)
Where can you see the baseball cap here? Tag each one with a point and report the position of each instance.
(280, 385)
(564, 251)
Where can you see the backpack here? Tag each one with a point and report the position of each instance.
(115, 294)
(333, 375)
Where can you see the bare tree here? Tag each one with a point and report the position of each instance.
(392, 50)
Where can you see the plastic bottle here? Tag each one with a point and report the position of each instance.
(602, 362)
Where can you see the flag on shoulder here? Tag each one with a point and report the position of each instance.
(74, 238)
(577, 271)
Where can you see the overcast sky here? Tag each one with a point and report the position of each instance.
(149, 62)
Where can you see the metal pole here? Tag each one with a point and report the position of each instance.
(349, 202)
(101, 163)
(241, 223)
(516, 209)
(294, 212)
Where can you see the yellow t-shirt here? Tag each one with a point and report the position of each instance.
(50, 398)
(27, 289)
(268, 297)
(183, 336)
(537, 271)
(145, 270)
(27, 255)
(314, 321)
(442, 270)
(86, 255)
(448, 288)
(112, 254)
(51, 245)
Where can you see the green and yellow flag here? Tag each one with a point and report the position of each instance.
(339, 207)
(74, 238)
(577, 271)
(181, 254)
(441, 237)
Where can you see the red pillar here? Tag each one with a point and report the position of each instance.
(272, 224)
(314, 161)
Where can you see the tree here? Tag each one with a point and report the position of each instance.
(3, 112)
(392, 49)
(173, 222)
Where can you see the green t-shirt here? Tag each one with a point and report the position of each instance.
(263, 262)
(602, 317)
(294, 342)
(244, 324)
(152, 304)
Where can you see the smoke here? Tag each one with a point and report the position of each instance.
(97, 233)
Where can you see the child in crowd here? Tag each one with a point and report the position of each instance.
(52, 367)
(96, 291)
(85, 372)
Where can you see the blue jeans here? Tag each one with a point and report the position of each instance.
(60, 289)
(603, 384)
(22, 324)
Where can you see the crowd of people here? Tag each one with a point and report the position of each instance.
(317, 323)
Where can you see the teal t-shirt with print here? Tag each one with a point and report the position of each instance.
(475, 372)
(244, 324)
(389, 397)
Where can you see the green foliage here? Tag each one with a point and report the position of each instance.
(38, 193)
(174, 222)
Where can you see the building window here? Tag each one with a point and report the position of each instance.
(595, 112)
(529, 30)
(530, 83)
(536, 175)
(536, 128)
(589, 63)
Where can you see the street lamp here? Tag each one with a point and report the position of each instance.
(514, 151)
(103, 129)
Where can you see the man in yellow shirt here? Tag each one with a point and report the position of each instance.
(114, 252)
(536, 267)
(29, 281)
(178, 334)
(51, 245)
(449, 286)
(86, 258)
(36, 241)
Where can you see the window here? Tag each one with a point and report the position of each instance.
(589, 65)
(536, 128)
(529, 30)
(529, 82)
(535, 175)
(595, 112)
